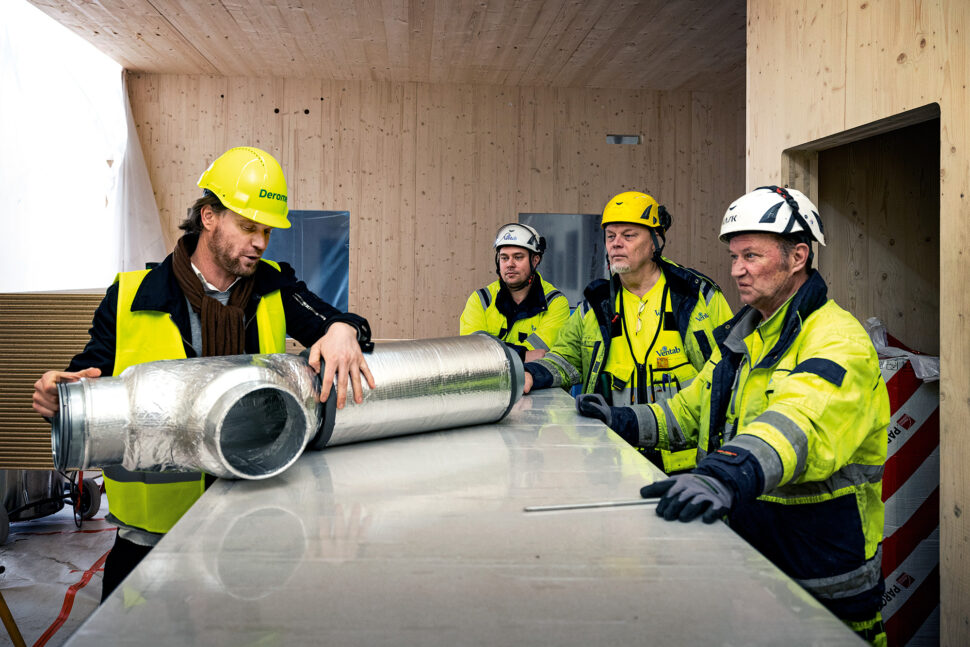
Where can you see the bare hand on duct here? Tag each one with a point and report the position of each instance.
(45, 389)
(342, 358)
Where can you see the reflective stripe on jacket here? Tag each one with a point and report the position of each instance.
(537, 326)
(578, 357)
(802, 392)
(154, 501)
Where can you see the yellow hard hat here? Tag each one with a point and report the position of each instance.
(635, 208)
(250, 182)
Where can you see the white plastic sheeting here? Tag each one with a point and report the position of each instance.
(75, 199)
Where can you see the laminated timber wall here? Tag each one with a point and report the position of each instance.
(38, 332)
(428, 172)
(819, 69)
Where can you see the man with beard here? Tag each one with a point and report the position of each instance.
(520, 308)
(640, 336)
(213, 295)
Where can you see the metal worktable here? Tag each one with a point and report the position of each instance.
(422, 540)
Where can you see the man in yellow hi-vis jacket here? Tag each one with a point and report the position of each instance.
(214, 295)
(520, 308)
(642, 335)
(791, 420)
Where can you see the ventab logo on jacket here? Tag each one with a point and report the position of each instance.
(664, 352)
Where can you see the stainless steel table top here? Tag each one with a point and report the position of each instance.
(422, 540)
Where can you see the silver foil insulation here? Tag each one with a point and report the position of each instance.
(251, 416)
(426, 385)
(242, 416)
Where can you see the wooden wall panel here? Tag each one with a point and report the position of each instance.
(884, 58)
(883, 231)
(429, 172)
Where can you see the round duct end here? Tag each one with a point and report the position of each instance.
(262, 431)
(67, 427)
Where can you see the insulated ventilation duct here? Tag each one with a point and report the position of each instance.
(425, 385)
(251, 416)
(241, 416)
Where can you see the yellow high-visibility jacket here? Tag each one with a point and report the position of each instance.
(693, 308)
(800, 399)
(532, 325)
(154, 501)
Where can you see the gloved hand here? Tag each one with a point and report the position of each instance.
(688, 496)
(593, 405)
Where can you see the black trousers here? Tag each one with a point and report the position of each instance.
(122, 559)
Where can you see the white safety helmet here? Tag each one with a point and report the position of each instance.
(520, 236)
(774, 210)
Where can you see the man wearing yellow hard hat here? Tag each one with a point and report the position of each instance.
(640, 336)
(213, 295)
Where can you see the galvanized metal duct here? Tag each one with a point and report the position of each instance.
(242, 416)
(425, 385)
(251, 416)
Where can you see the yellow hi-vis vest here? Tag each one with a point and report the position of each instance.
(154, 501)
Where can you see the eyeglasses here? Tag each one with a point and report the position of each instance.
(643, 304)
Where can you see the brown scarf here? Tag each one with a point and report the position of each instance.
(223, 326)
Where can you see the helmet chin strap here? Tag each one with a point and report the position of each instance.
(658, 247)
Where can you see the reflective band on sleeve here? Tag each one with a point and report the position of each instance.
(675, 435)
(824, 368)
(647, 425)
(552, 295)
(794, 434)
(560, 362)
(848, 584)
(766, 456)
(485, 297)
(708, 291)
(850, 476)
(536, 342)
(121, 475)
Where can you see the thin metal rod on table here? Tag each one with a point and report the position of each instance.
(582, 506)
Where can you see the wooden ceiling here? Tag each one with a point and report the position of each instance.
(629, 44)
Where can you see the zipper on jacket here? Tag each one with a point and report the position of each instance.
(310, 308)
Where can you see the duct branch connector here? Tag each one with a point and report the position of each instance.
(240, 416)
(251, 416)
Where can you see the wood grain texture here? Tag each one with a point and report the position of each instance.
(630, 44)
(429, 172)
(883, 252)
(894, 57)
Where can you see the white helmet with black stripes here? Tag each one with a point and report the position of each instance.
(774, 210)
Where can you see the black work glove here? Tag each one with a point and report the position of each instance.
(593, 405)
(622, 420)
(688, 496)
